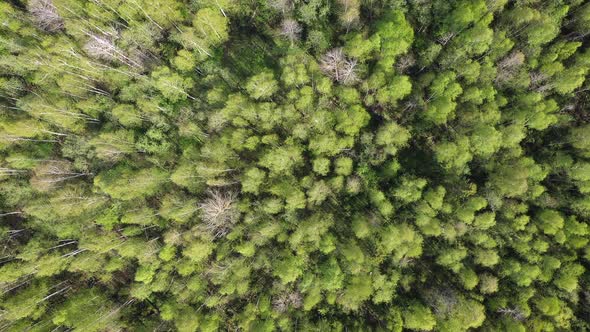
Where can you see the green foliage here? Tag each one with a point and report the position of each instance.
(86, 310)
(198, 251)
(392, 137)
(172, 86)
(550, 221)
(410, 190)
(343, 166)
(396, 36)
(289, 165)
(418, 317)
(282, 160)
(262, 86)
(146, 182)
(288, 269)
(253, 179)
(321, 166)
(454, 155)
(26, 302)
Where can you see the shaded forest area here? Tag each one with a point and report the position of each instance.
(294, 165)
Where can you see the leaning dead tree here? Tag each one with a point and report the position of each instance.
(514, 313)
(508, 67)
(102, 46)
(45, 15)
(51, 174)
(340, 68)
(539, 82)
(219, 211)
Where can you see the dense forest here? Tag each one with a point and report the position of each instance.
(294, 165)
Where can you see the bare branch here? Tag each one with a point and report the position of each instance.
(405, 62)
(508, 66)
(284, 6)
(219, 211)
(336, 65)
(515, 313)
(45, 15)
(290, 29)
(287, 299)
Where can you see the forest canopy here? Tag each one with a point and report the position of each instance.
(295, 165)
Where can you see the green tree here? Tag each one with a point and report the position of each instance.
(262, 86)
(417, 316)
(126, 183)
